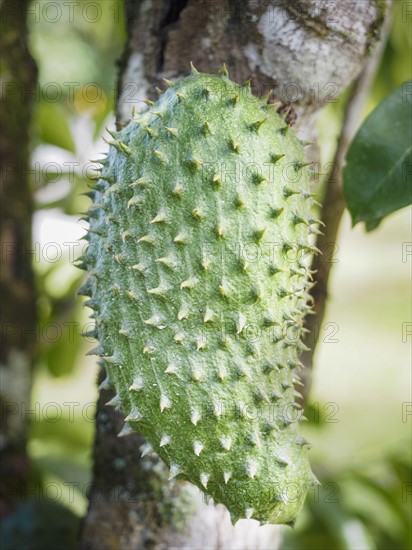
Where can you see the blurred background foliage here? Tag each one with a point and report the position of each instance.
(361, 442)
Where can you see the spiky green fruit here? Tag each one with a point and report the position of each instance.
(198, 230)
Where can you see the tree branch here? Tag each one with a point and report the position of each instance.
(334, 204)
(18, 75)
(276, 44)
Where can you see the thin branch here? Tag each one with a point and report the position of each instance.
(334, 204)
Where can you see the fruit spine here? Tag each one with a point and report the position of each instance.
(198, 230)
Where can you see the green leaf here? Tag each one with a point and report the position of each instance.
(378, 173)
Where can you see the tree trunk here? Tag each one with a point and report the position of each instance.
(306, 52)
(18, 77)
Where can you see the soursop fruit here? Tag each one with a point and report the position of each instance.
(199, 229)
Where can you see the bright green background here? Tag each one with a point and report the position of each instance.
(365, 377)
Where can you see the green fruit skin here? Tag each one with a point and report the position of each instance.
(198, 230)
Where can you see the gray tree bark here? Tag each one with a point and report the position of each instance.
(306, 52)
